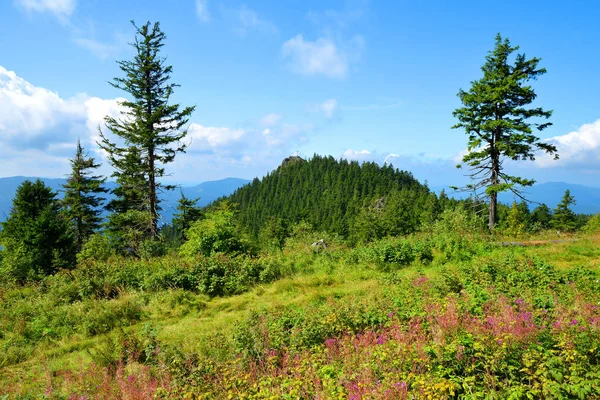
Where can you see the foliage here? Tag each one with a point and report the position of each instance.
(593, 224)
(187, 213)
(150, 126)
(541, 217)
(495, 118)
(97, 248)
(329, 195)
(516, 221)
(35, 237)
(564, 219)
(504, 321)
(80, 202)
(216, 233)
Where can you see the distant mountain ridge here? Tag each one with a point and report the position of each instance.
(550, 193)
(206, 191)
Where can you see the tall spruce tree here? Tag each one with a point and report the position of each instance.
(187, 213)
(150, 127)
(564, 218)
(496, 120)
(81, 201)
(35, 237)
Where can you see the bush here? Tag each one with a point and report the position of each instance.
(394, 252)
(593, 224)
(215, 234)
(97, 248)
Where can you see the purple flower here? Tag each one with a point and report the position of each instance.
(519, 301)
(131, 378)
(573, 322)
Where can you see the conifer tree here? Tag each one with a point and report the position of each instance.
(515, 223)
(496, 120)
(35, 237)
(187, 213)
(541, 216)
(150, 126)
(81, 200)
(564, 218)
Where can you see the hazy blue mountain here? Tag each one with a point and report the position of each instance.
(207, 191)
(587, 197)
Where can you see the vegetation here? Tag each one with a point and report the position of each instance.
(564, 218)
(442, 314)
(360, 201)
(81, 201)
(36, 237)
(496, 120)
(151, 129)
(324, 279)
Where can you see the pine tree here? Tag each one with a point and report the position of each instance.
(564, 219)
(187, 213)
(496, 120)
(515, 221)
(541, 216)
(80, 200)
(150, 127)
(35, 237)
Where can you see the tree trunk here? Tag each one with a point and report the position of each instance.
(493, 204)
(152, 187)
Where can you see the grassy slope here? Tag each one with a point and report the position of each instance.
(190, 326)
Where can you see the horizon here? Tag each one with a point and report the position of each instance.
(354, 80)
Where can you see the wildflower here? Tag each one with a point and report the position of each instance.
(556, 325)
(573, 322)
(519, 301)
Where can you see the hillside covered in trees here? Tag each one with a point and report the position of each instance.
(338, 196)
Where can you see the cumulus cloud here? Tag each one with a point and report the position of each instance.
(202, 10)
(35, 120)
(248, 19)
(578, 148)
(61, 9)
(321, 57)
(358, 155)
(206, 137)
(39, 129)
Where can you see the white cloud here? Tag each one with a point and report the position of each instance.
(35, 120)
(358, 155)
(202, 10)
(270, 119)
(62, 9)
(39, 129)
(329, 107)
(206, 137)
(580, 147)
(319, 57)
(248, 19)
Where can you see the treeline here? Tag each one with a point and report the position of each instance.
(337, 196)
(366, 202)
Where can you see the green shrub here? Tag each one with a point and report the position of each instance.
(215, 234)
(97, 248)
(593, 224)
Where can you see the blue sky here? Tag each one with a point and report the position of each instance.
(358, 79)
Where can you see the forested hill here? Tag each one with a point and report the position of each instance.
(337, 196)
